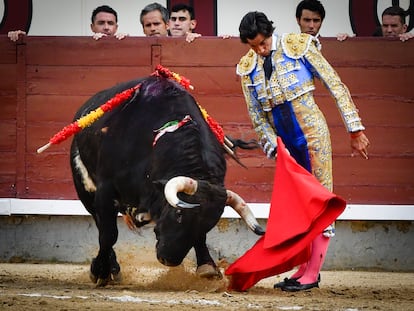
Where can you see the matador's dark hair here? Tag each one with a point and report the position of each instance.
(254, 23)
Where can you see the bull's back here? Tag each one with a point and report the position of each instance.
(120, 144)
(103, 96)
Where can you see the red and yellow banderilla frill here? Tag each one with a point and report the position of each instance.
(90, 118)
(120, 98)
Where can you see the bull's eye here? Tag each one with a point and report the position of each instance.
(179, 215)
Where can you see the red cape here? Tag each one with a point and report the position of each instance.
(301, 208)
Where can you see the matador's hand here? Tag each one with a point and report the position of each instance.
(360, 143)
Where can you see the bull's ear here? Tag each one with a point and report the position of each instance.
(160, 183)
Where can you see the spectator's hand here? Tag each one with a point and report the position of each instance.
(98, 35)
(14, 35)
(406, 36)
(121, 36)
(360, 143)
(226, 36)
(191, 36)
(343, 36)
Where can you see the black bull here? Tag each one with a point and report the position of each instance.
(176, 180)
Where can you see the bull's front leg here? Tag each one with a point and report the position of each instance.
(206, 267)
(106, 215)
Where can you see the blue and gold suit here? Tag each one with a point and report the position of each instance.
(284, 105)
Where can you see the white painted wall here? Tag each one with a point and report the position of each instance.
(282, 13)
(64, 18)
(73, 18)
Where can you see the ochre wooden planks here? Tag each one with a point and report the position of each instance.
(8, 100)
(82, 51)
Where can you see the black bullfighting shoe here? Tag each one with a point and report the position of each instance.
(291, 281)
(295, 286)
(286, 281)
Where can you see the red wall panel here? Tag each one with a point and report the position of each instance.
(41, 87)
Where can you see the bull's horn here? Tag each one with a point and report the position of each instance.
(180, 184)
(241, 207)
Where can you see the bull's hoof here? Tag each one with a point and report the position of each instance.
(208, 271)
(93, 277)
(102, 282)
(114, 278)
(97, 272)
(117, 277)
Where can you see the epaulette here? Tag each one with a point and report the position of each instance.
(247, 63)
(296, 45)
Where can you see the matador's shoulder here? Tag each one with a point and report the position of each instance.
(295, 45)
(247, 63)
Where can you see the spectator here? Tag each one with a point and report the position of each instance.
(182, 22)
(392, 26)
(105, 23)
(154, 20)
(310, 15)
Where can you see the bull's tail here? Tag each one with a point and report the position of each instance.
(239, 143)
(230, 145)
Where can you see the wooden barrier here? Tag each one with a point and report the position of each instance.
(45, 79)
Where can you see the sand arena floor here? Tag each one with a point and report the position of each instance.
(150, 286)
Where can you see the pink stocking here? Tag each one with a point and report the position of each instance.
(300, 272)
(319, 248)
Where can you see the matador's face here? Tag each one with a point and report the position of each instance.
(261, 45)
